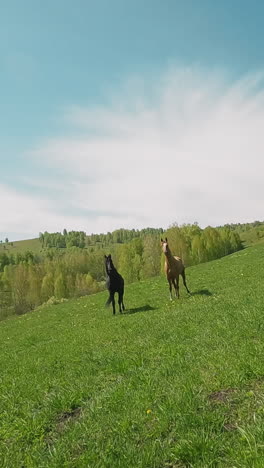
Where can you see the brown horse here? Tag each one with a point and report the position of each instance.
(174, 267)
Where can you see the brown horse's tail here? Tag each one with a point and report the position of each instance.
(184, 280)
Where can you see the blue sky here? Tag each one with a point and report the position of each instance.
(76, 78)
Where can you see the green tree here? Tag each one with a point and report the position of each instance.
(225, 237)
(130, 261)
(90, 284)
(20, 287)
(235, 241)
(47, 287)
(198, 250)
(60, 287)
(34, 288)
(7, 276)
(212, 242)
(4, 260)
(41, 239)
(80, 285)
(151, 256)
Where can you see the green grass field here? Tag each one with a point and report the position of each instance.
(165, 385)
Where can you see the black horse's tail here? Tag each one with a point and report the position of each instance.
(108, 302)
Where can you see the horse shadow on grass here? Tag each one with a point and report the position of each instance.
(144, 308)
(202, 292)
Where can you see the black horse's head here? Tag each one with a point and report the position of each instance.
(109, 264)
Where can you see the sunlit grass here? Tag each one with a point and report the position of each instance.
(22, 246)
(164, 385)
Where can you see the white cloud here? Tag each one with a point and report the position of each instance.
(28, 215)
(186, 147)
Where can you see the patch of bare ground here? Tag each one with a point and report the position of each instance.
(177, 464)
(61, 422)
(221, 396)
(66, 416)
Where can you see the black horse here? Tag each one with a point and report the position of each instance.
(114, 283)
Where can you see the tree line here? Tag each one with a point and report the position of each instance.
(62, 241)
(81, 240)
(58, 273)
(250, 233)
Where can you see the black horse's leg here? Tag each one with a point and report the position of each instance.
(113, 302)
(120, 302)
(184, 281)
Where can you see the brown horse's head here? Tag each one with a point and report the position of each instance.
(164, 245)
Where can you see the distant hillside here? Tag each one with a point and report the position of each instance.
(20, 246)
(250, 233)
(80, 239)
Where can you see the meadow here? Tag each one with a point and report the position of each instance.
(165, 385)
(71, 264)
(21, 246)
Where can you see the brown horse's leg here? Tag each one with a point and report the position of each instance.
(169, 281)
(176, 286)
(184, 281)
(178, 289)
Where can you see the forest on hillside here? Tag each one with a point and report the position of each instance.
(81, 240)
(72, 264)
(250, 233)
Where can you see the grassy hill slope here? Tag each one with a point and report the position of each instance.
(164, 385)
(21, 246)
(252, 236)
